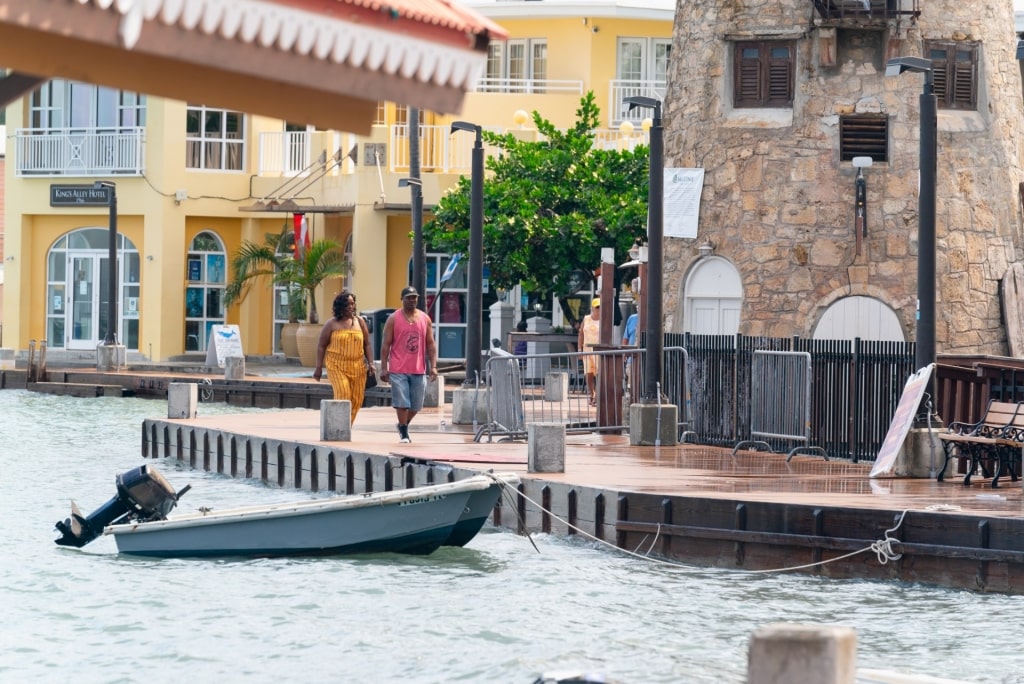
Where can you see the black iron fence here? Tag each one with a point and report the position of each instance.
(856, 386)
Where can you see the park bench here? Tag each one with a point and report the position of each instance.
(996, 440)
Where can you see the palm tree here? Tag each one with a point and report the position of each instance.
(275, 260)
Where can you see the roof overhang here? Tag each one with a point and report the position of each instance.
(292, 207)
(321, 62)
(656, 10)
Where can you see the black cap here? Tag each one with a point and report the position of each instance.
(407, 291)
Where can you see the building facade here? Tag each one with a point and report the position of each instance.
(193, 182)
(776, 101)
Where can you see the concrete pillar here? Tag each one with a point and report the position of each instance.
(234, 368)
(556, 386)
(501, 315)
(434, 396)
(6, 359)
(469, 406)
(545, 447)
(336, 420)
(182, 399)
(653, 424)
(802, 654)
(111, 357)
(921, 455)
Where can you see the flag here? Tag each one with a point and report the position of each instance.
(450, 271)
(301, 232)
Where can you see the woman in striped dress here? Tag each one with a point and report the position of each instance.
(344, 348)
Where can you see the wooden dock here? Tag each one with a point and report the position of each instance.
(690, 503)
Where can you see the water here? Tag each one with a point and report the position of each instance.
(496, 611)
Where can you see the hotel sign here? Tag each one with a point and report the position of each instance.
(79, 196)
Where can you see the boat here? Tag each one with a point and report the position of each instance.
(417, 520)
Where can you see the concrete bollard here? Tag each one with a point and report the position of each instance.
(234, 368)
(336, 420)
(434, 396)
(7, 359)
(556, 386)
(182, 399)
(802, 654)
(545, 447)
(465, 401)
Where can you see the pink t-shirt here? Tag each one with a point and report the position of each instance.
(408, 344)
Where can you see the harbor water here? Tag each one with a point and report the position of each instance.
(499, 610)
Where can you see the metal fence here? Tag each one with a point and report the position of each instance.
(780, 402)
(552, 388)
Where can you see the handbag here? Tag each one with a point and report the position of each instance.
(371, 378)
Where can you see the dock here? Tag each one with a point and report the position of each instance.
(689, 503)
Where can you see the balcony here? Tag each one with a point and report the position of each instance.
(535, 86)
(865, 12)
(79, 152)
(296, 153)
(620, 89)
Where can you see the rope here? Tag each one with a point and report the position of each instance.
(883, 548)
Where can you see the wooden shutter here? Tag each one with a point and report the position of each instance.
(780, 74)
(954, 74)
(747, 80)
(763, 74)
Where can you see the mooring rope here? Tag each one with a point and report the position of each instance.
(883, 548)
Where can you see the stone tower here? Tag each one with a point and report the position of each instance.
(775, 98)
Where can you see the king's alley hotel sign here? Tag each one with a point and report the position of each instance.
(79, 196)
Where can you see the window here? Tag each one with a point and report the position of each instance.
(61, 104)
(214, 139)
(205, 275)
(864, 135)
(955, 73)
(516, 66)
(763, 73)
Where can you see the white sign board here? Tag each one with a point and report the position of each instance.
(225, 341)
(906, 412)
(682, 188)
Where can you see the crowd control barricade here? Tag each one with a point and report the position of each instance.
(780, 401)
(516, 396)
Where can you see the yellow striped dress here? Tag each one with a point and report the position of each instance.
(346, 367)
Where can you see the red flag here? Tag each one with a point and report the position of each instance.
(301, 233)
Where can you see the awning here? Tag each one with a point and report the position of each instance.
(320, 62)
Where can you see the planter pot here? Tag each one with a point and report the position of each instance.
(306, 338)
(289, 345)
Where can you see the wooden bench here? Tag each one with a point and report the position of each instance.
(996, 440)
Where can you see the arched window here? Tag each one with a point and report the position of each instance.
(205, 276)
(77, 290)
(714, 295)
(858, 316)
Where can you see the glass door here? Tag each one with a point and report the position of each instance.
(84, 323)
(90, 306)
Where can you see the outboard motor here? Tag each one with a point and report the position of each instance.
(143, 494)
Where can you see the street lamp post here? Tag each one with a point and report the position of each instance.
(110, 339)
(653, 285)
(419, 254)
(474, 298)
(925, 334)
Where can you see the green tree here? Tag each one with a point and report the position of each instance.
(274, 261)
(549, 206)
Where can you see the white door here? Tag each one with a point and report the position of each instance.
(87, 313)
(864, 317)
(712, 300)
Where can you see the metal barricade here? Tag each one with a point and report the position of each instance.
(516, 395)
(780, 401)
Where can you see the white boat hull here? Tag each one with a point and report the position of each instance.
(405, 521)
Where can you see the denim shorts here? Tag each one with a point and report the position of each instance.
(407, 390)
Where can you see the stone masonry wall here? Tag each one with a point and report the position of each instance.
(779, 205)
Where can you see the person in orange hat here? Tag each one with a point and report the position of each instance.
(590, 334)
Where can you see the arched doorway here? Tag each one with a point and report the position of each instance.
(714, 294)
(204, 293)
(77, 289)
(857, 316)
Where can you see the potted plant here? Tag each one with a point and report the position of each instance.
(300, 275)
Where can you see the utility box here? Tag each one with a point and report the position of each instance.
(375, 320)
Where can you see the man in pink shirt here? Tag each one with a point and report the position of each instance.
(408, 355)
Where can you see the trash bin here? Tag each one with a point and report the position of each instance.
(375, 320)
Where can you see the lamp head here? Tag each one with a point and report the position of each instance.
(862, 162)
(897, 65)
(465, 126)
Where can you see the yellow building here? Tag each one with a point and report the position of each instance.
(192, 182)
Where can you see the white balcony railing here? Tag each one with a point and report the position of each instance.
(528, 85)
(293, 153)
(79, 152)
(440, 151)
(621, 89)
